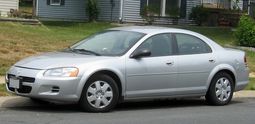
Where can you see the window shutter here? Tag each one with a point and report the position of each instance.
(142, 5)
(48, 2)
(62, 2)
(183, 8)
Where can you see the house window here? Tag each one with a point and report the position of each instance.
(165, 8)
(55, 2)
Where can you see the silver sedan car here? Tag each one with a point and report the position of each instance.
(132, 63)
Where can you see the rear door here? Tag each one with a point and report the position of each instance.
(195, 60)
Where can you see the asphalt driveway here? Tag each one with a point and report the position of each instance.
(17, 110)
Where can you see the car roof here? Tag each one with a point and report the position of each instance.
(150, 29)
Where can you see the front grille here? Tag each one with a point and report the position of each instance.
(27, 79)
(23, 88)
(23, 78)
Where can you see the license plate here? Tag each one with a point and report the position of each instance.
(14, 83)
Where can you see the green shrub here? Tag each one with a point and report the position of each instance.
(147, 14)
(199, 14)
(245, 33)
(92, 10)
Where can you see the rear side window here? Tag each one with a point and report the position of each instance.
(188, 44)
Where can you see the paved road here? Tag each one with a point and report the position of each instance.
(189, 111)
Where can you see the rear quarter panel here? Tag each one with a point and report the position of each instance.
(232, 60)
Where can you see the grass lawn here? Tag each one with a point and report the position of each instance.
(18, 41)
(3, 91)
(251, 85)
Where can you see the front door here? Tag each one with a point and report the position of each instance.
(153, 75)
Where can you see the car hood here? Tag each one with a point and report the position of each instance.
(58, 59)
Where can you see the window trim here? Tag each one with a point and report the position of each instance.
(55, 4)
(178, 53)
(174, 45)
(163, 7)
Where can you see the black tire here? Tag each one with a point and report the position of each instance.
(211, 96)
(84, 103)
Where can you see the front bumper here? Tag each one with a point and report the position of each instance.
(34, 84)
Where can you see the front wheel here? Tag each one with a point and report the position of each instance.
(221, 89)
(100, 94)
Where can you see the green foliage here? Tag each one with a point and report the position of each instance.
(245, 33)
(251, 85)
(92, 10)
(173, 9)
(3, 91)
(199, 14)
(147, 14)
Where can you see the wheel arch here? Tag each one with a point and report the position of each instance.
(222, 68)
(116, 75)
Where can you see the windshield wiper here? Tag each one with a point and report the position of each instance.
(86, 51)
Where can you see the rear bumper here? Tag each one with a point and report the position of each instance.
(242, 80)
(241, 85)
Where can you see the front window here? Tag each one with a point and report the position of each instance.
(108, 43)
(159, 45)
(55, 2)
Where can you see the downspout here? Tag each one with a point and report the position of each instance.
(37, 8)
(121, 11)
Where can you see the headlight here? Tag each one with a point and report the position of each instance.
(62, 72)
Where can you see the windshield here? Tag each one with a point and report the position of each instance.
(108, 43)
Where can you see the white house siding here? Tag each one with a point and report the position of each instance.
(75, 10)
(105, 10)
(71, 10)
(6, 5)
(131, 11)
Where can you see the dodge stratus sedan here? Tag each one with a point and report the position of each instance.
(132, 63)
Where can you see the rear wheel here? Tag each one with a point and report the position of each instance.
(221, 89)
(100, 94)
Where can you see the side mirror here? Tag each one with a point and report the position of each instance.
(140, 53)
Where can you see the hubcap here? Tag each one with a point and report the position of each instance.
(223, 89)
(99, 94)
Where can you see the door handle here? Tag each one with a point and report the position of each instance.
(170, 63)
(212, 60)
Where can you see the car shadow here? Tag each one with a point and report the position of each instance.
(29, 105)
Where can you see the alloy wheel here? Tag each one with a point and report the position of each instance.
(223, 89)
(99, 94)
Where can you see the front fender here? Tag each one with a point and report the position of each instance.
(92, 70)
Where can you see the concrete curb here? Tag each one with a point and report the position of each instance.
(17, 101)
(245, 94)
